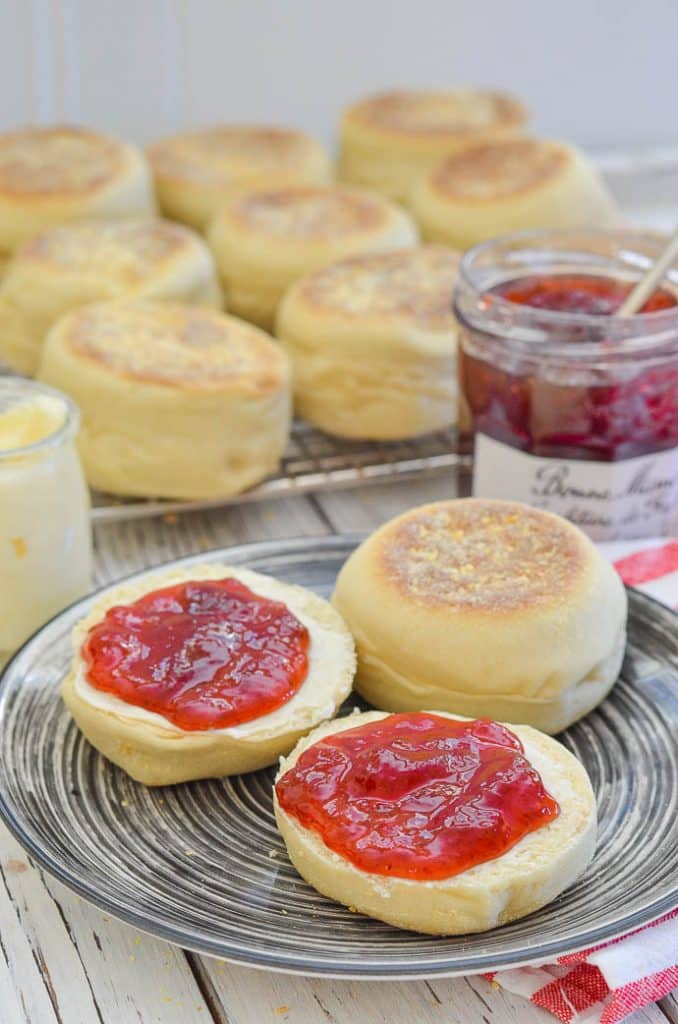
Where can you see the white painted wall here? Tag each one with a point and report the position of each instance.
(602, 72)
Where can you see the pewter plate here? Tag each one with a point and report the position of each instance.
(202, 865)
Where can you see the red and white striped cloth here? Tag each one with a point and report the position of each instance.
(648, 565)
(604, 984)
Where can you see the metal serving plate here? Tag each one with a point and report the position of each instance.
(202, 864)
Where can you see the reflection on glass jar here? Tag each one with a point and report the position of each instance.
(45, 539)
(569, 406)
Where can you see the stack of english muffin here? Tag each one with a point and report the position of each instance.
(119, 265)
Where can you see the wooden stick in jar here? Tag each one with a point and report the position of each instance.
(639, 295)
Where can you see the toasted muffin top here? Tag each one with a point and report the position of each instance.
(58, 161)
(128, 252)
(438, 113)
(415, 285)
(497, 169)
(481, 555)
(307, 212)
(185, 347)
(226, 154)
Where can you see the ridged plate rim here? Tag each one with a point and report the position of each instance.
(241, 953)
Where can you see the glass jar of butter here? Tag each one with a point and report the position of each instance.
(568, 406)
(45, 537)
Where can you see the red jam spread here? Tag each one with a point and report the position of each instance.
(573, 414)
(206, 654)
(417, 795)
(578, 293)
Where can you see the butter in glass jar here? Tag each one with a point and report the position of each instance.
(568, 406)
(45, 535)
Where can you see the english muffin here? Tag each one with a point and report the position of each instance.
(74, 264)
(390, 139)
(511, 185)
(195, 172)
(484, 608)
(434, 823)
(175, 401)
(264, 241)
(144, 694)
(373, 344)
(53, 175)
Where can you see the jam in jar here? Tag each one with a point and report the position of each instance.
(579, 293)
(570, 406)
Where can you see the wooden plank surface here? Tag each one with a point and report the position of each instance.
(669, 1006)
(122, 548)
(67, 963)
(289, 1000)
(367, 508)
(254, 997)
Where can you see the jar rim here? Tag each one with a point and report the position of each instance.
(23, 387)
(531, 326)
(535, 234)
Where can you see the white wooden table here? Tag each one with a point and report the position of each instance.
(64, 962)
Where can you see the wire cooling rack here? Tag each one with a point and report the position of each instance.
(313, 461)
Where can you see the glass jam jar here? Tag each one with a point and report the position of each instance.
(568, 406)
(45, 536)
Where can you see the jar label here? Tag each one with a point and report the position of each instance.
(608, 500)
